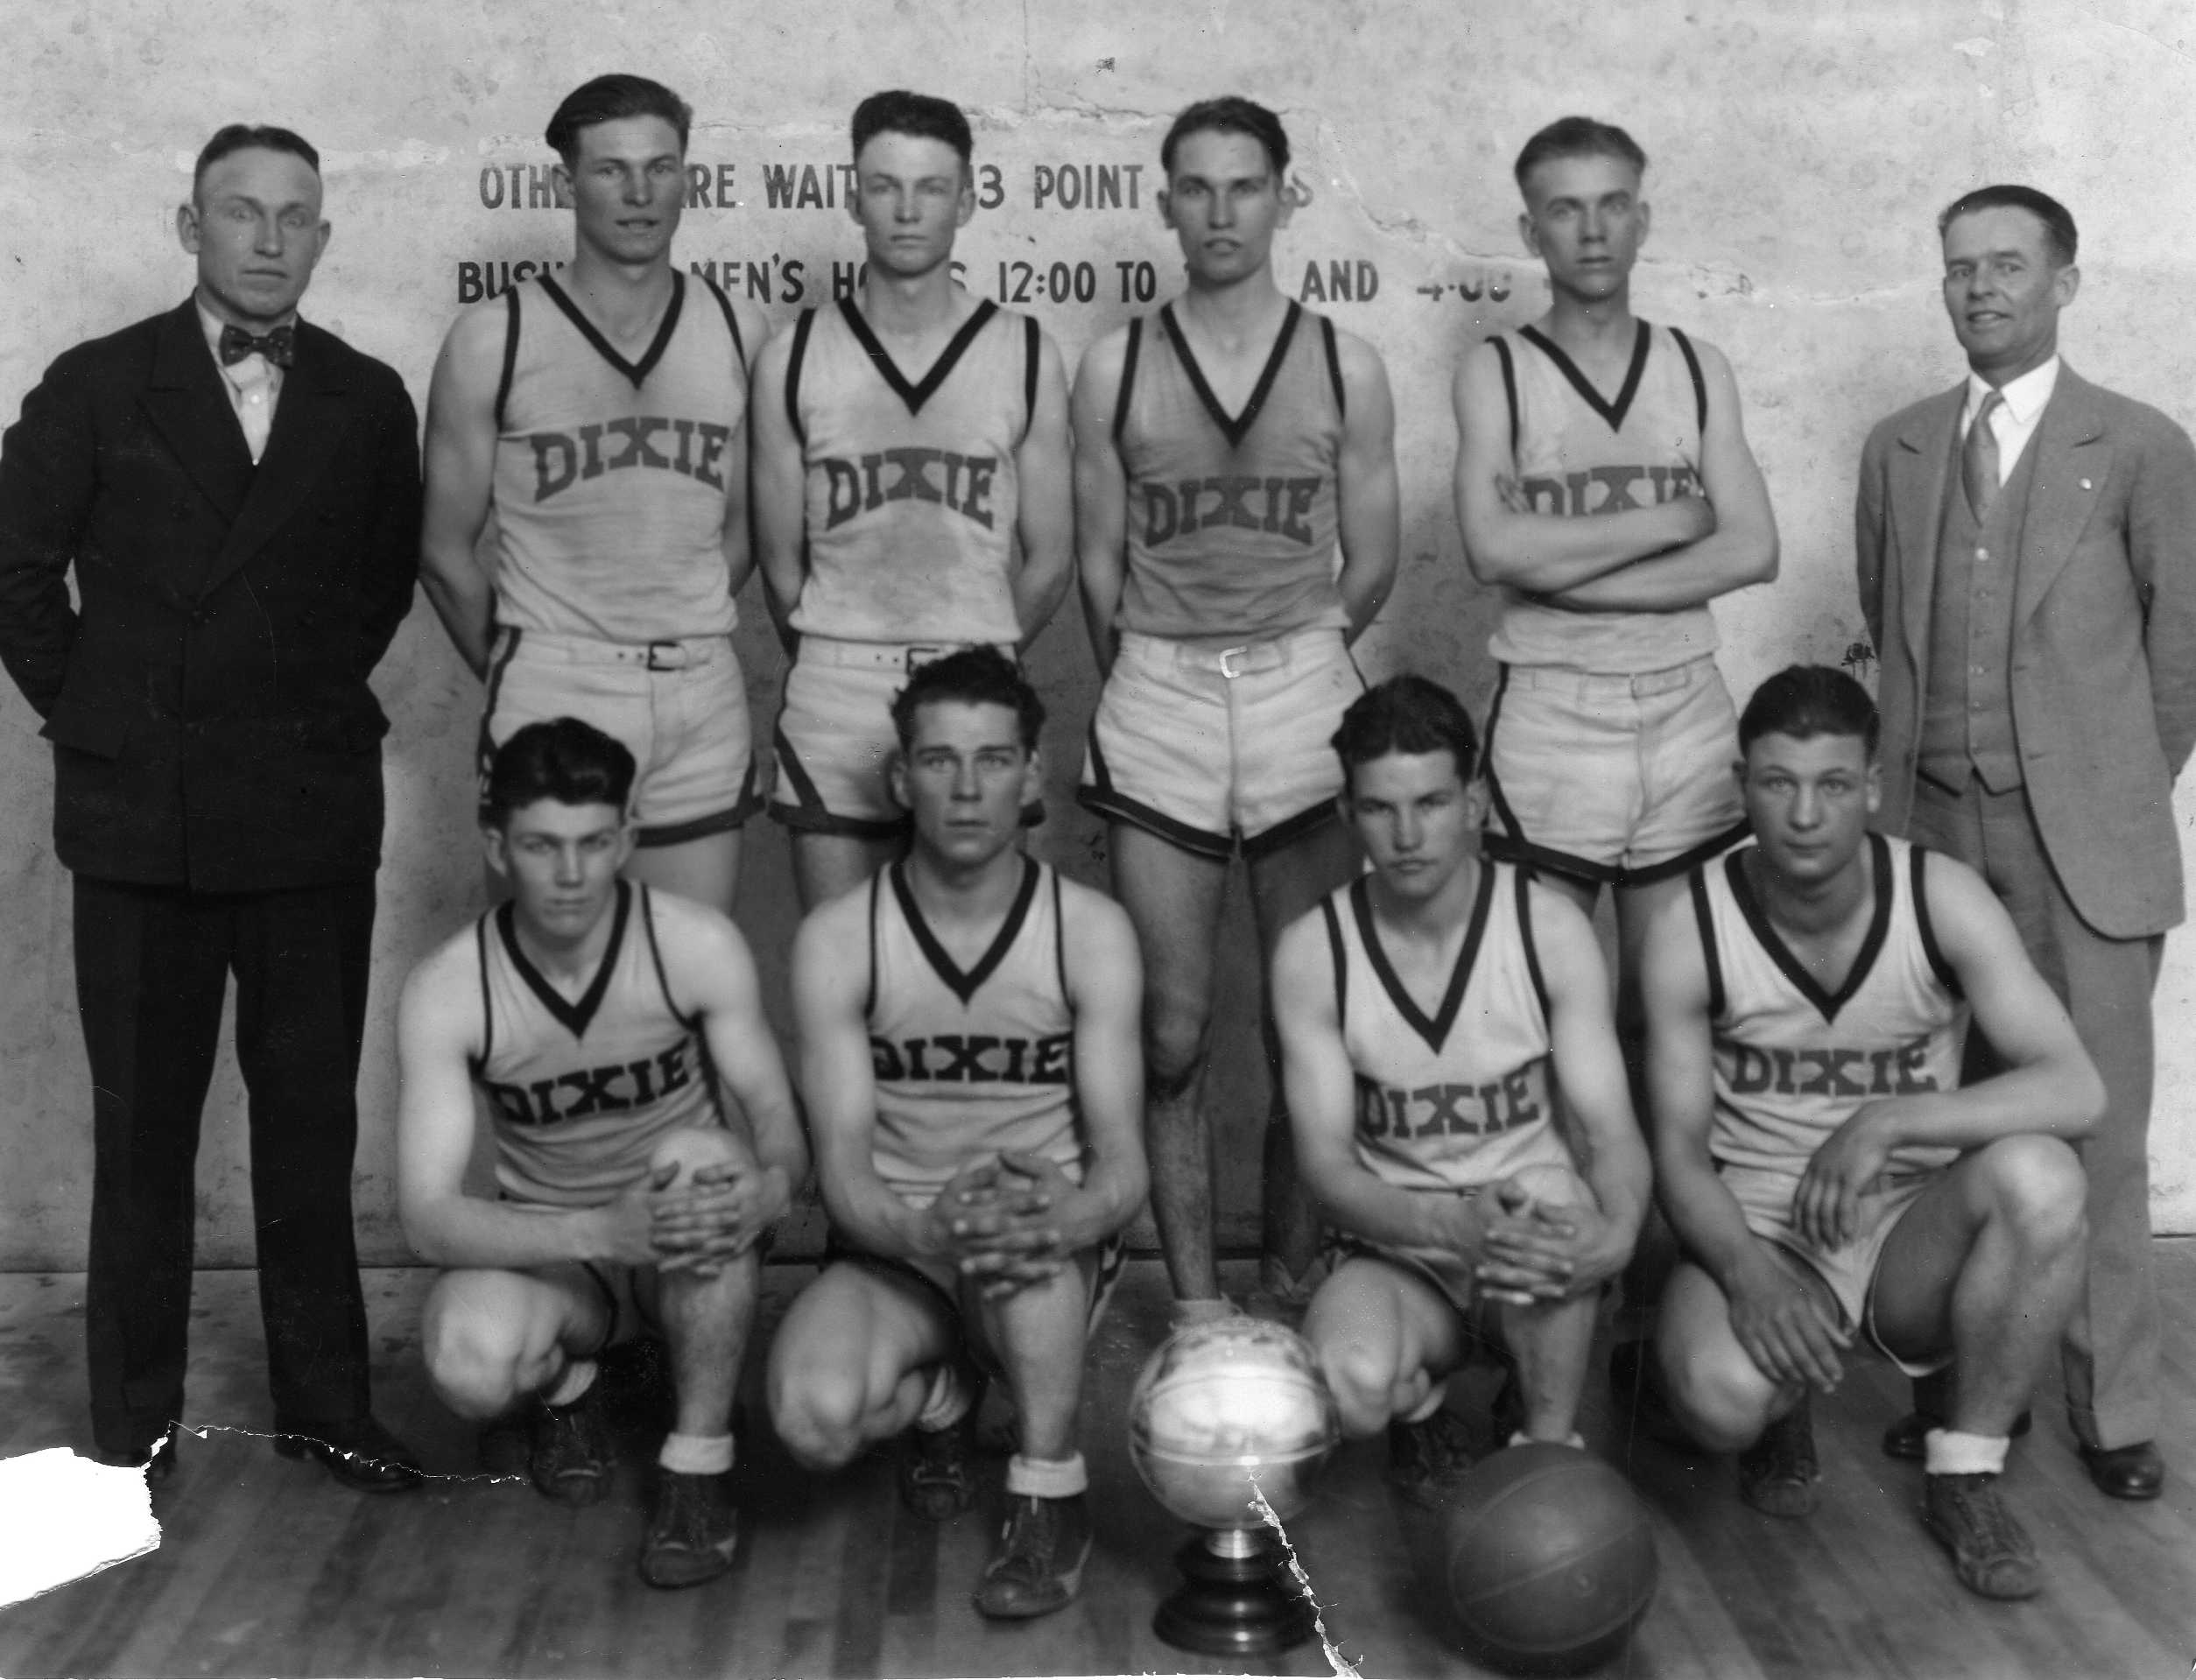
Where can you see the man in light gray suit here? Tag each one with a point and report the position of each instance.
(2027, 560)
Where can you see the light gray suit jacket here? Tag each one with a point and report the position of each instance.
(2103, 675)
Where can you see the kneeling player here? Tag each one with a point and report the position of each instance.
(1807, 1002)
(599, 1019)
(968, 1052)
(1419, 1010)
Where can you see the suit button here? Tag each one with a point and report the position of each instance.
(1982, 553)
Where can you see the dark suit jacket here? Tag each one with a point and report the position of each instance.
(207, 700)
(2103, 675)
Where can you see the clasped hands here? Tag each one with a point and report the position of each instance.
(998, 1221)
(719, 1213)
(1530, 1253)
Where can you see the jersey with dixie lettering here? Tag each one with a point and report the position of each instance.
(1232, 520)
(610, 482)
(1458, 1098)
(969, 1064)
(1578, 454)
(1793, 1060)
(583, 1090)
(911, 490)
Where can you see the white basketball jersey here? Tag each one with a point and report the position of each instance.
(582, 1091)
(1793, 1060)
(912, 488)
(1578, 454)
(610, 475)
(1458, 1098)
(971, 1064)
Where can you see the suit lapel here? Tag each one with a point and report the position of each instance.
(2072, 456)
(308, 429)
(188, 405)
(1920, 467)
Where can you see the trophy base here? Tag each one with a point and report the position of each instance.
(1235, 1602)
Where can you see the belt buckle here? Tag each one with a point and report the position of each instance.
(658, 657)
(1226, 654)
(925, 653)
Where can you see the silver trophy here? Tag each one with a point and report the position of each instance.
(1228, 1425)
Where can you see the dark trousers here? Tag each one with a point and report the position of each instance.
(153, 964)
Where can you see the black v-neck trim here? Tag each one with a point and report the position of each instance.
(941, 370)
(964, 985)
(1239, 428)
(1613, 412)
(1826, 1003)
(1435, 1028)
(636, 371)
(574, 1017)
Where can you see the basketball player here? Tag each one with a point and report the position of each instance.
(911, 487)
(1807, 1000)
(606, 1025)
(968, 1055)
(1605, 486)
(1236, 527)
(1426, 1011)
(599, 413)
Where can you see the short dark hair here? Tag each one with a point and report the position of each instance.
(1408, 713)
(610, 99)
(562, 759)
(2059, 237)
(1579, 137)
(1231, 114)
(1803, 701)
(245, 137)
(923, 115)
(978, 676)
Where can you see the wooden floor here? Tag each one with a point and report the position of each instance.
(268, 1567)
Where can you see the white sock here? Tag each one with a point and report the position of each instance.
(1436, 1397)
(950, 1396)
(696, 1455)
(1951, 1453)
(1046, 1478)
(578, 1378)
(1520, 1439)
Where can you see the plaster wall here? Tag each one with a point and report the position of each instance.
(1800, 155)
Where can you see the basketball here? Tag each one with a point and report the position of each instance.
(1551, 1559)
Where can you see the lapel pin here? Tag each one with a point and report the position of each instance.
(2085, 484)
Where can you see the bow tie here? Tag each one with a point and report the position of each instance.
(276, 346)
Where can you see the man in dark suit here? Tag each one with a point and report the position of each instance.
(238, 496)
(2027, 558)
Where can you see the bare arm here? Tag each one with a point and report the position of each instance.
(1322, 1096)
(1366, 486)
(777, 486)
(1101, 495)
(1105, 991)
(739, 552)
(1542, 552)
(1046, 520)
(1742, 550)
(1775, 1320)
(461, 479)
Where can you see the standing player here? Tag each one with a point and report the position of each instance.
(1829, 1175)
(1604, 484)
(1426, 1011)
(606, 1025)
(599, 413)
(968, 1053)
(911, 487)
(1236, 524)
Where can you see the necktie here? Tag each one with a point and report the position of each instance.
(276, 346)
(1979, 458)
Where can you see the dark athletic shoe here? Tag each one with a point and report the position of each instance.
(1039, 1563)
(692, 1532)
(570, 1462)
(1778, 1474)
(1991, 1553)
(1426, 1460)
(938, 1473)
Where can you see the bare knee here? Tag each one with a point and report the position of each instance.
(482, 1361)
(817, 1408)
(1177, 1033)
(1721, 1397)
(688, 1149)
(2037, 1185)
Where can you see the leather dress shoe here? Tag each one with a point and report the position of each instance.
(1908, 1438)
(2135, 1472)
(363, 1455)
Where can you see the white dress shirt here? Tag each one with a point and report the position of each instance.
(2013, 421)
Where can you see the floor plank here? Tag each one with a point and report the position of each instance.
(267, 1567)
